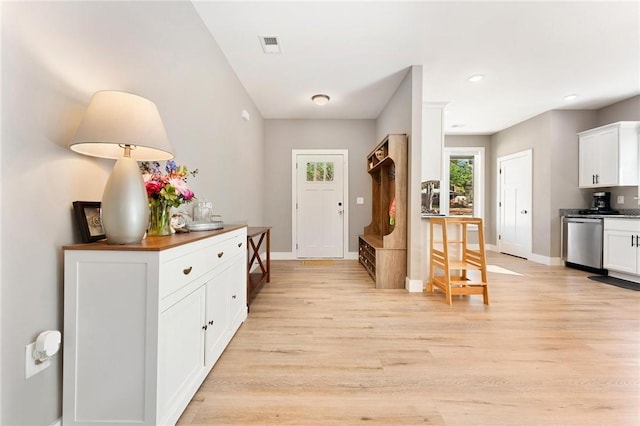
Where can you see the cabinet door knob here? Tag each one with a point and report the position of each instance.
(233, 297)
(204, 327)
(220, 254)
(187, 271)
(239, 244)
(211, 322)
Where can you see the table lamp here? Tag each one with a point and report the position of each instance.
(128, 128)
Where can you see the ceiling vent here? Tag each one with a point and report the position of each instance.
(270, 44)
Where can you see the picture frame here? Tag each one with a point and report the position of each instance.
(89, 218)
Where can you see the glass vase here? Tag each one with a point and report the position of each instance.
(159, 219)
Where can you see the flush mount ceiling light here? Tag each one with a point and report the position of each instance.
(570, 97)
(320, 99)
(475, 78)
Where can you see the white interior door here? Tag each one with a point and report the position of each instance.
(320, 202)
(514, 204)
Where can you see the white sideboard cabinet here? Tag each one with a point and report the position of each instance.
(145, 323)
(608, 155)
(621, 248)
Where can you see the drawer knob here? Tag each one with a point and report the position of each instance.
(233, 297)
(239, 244)
(221, 254)
(187, 271)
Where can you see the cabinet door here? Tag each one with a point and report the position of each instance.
(619, 254)
(217, 335)
(607, 157)
(237, 282)
(587, 165)
(181, 350)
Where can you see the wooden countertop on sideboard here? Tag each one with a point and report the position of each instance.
(155, 243)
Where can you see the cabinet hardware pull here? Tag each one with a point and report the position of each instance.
(204, 327)
(187, 271)
(632, 240)
(239, 244)
(233, 297)
(220, 254)
(211, 322)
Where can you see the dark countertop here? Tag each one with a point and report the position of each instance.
(624, 214)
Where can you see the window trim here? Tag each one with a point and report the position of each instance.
(478, 176)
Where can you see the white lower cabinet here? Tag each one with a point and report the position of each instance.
(144, 324)
(621, 251)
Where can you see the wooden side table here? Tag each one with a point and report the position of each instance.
(262, 275)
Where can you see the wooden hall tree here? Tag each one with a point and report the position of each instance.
(383, 246)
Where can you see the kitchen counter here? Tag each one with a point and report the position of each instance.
(624, 214)
(604, 216)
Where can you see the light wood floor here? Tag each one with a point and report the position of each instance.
(321, 346)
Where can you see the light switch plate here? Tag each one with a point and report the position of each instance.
(359, 200)
(620, 199)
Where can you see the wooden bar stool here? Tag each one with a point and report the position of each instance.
(454, 257)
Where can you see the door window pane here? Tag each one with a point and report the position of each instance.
(320, 172)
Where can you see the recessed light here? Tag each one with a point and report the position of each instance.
(570, 97)
(320, 99)
(475, 78)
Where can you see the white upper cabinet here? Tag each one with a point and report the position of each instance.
(609, 155)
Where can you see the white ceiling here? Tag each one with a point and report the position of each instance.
(531, 53)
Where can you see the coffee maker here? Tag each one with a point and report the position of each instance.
(601, 201)
(600, 204)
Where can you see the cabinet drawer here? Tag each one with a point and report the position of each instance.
(630, 225)
(224, 250)
(180, 271)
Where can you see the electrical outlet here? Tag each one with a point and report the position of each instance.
(359, 200)
(620, 199)
(31, 365)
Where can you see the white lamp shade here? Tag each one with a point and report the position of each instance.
(114, 119)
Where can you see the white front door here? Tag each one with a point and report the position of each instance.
(320, 202)
(514, 204)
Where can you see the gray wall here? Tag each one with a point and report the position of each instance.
(627, 110)
(533, 133)
(54, 56)
(282, 136)
(563, 168)
(483, 141)
(403, 114)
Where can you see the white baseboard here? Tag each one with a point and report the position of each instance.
(545, 260)
(620, 275)
(413, 286)
(283, 255)
(352, 255)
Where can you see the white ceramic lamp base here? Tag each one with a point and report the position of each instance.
(125, 208)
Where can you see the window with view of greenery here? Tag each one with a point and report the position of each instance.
(320, 172)
(461, 183)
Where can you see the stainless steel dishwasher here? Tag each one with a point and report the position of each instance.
(582, 242)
